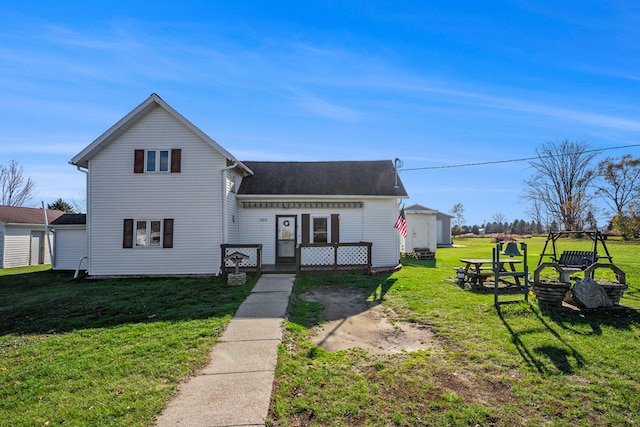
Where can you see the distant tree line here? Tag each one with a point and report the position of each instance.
(519, 226)
(561, 194)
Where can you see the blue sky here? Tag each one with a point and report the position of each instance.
(432, 83)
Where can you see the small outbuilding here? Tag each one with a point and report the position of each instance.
(426, 228)
(23, 236)
(70, 232)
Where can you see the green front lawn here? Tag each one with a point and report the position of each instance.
(520, 365)
(113, 352)
(102, 353)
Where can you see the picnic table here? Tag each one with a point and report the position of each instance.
(476, 271)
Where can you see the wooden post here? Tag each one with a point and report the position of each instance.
(259, 259)
(223, 266)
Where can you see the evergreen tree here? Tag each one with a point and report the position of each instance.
(61, 205)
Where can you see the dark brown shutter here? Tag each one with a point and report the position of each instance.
(176, 159)
(167, 235)
(335, 228)
(306, 221)
(127, 234)
(138, 161)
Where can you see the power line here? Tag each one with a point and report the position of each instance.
(525, 159)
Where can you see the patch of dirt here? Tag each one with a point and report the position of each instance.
(350, 320)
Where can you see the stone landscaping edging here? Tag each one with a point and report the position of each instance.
(550, 293)
(614, 291)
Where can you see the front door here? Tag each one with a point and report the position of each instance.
(285, 239)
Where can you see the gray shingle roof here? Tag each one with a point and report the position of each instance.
(71, 219)
(337, 178)
(23, 215)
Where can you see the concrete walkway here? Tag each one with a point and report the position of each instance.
(234, 389)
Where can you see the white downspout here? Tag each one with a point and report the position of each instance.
(223, 201)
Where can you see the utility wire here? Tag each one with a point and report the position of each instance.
(462, 165)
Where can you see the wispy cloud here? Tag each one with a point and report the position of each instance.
(320, 107)
(117, 40)
(487, 100)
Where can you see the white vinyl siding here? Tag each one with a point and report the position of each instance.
(17, 245)
(379, 218)
(70, 247)
(192, 198)
(1, 246)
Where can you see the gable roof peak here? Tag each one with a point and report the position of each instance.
(153, 101)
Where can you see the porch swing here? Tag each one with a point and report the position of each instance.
(570, 262)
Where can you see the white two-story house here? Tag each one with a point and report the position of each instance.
(162, 197)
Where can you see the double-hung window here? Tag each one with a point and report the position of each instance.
(147, 233)
(320, 229)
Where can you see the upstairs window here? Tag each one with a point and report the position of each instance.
(157, 161)
(149, 161)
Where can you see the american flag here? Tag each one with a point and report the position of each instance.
(401, 223)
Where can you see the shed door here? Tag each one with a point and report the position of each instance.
(37, 248)
(420, 232)
(285, 239)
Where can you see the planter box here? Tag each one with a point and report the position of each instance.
(614, 291)
(550, 293)
(236, 279)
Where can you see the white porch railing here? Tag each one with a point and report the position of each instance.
(334, 257)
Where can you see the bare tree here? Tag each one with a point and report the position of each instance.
(499, 217)
(80, 206)
(17, 190)
(620, 182)
(458, 212)
(535, 211)
(563, 173)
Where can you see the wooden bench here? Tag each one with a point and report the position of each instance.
(473, 277)
(574, 261)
